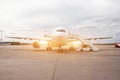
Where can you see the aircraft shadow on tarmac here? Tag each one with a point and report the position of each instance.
(64, 51)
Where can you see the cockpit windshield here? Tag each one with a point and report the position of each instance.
(61, 30)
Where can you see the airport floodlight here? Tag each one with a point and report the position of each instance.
(1, 35)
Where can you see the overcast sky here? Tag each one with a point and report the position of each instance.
(85, 17)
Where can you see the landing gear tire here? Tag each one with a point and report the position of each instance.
(81, 50)
(60, 51)
(49, 48)
(91, 49)
(72, 49)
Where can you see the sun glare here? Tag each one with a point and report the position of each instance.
(43, 42)
(77, 44)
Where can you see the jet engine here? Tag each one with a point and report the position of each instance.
(36, 44)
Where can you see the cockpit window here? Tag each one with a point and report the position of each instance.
(60, 30)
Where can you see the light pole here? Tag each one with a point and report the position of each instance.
(1, 39)
(1, 36)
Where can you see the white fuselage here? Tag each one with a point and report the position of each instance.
(60, 36)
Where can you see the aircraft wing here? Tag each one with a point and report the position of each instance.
(91, 38)
(73, 37)
(30, 38)
(97, 38)
(24, 38)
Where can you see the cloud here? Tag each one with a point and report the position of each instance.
(104, 24)
(88, 16)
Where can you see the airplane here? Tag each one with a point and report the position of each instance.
(61, 37)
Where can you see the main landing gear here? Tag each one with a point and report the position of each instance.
(71, 48)
(49, 48)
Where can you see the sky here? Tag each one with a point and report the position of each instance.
(88, 18)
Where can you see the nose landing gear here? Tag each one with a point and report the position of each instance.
(71, 49)
(49, 48)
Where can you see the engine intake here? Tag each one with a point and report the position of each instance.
(36, 44)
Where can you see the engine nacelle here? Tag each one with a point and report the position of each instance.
(36, 44)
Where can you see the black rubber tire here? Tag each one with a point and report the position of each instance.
(49, 48)
(72, 49)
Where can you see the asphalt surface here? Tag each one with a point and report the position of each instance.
(25, 63)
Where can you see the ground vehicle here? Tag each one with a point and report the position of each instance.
(117, 45)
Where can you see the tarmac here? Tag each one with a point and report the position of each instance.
(26, 63)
